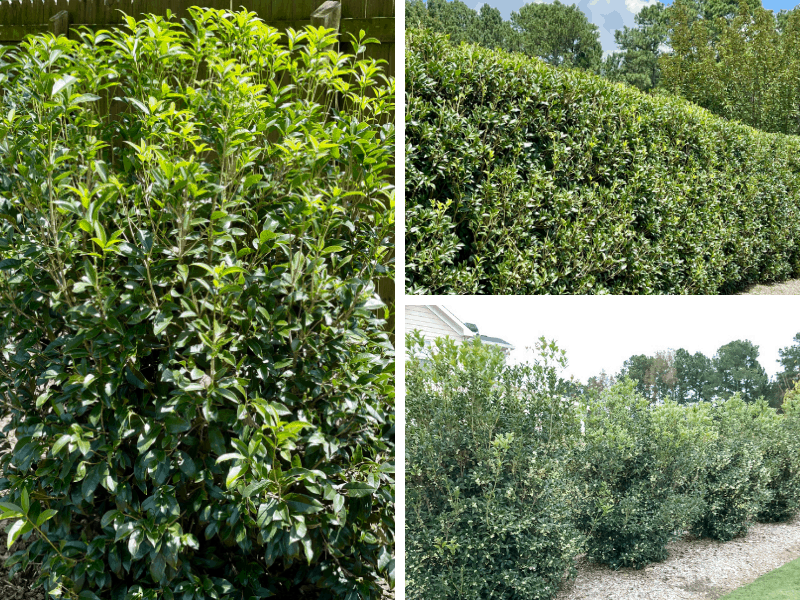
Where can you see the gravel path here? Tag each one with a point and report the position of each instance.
(695, 569)
(784, 288)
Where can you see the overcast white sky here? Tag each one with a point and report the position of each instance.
(601, 332)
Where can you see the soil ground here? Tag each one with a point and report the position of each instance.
(18, 588)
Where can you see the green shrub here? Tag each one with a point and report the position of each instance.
(199, 384)
(547, 180)
(640, 468)
(781, 449)
(736, 473)
(489, 506)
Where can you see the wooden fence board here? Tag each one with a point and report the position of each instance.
(381, 29)
(302, 9)
(19, 18)
(281, 11)
(34, 13)
(354, 9)
(264, 9)
(379, 8)
(27, 12)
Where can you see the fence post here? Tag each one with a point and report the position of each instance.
(328, 15)
(59, 23)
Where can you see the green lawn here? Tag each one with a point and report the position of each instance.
(780, 584)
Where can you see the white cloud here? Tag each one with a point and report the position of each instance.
(636, 5)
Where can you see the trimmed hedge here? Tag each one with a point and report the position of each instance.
(193, 357)
(522, 178)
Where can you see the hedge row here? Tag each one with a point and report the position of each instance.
(194, 359)
(523, 178)
(508, 479)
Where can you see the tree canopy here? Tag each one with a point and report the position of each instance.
(685, 377)
(557, 33)
(636, 62)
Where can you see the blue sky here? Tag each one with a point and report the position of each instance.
(609, 15)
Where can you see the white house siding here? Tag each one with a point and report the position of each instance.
(431, 324)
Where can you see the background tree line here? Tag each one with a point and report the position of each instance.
(557, 33)
(684, 377)
(732, 57)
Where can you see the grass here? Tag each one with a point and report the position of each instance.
(781, 584)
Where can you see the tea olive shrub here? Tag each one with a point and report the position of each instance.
(508, 478)
(193, 355)
(524, 178)
(737, 469)
(489, 504)
(782, 455)
(640, 467)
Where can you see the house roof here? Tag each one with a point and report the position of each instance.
(440, 322)
(495, 341)
(453, 321)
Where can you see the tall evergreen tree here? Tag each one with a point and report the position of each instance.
(744, 68)
(491, 31)
(696, 377)
(453, 18)
(558, 34)
(790, 361)
(738, 370)
(636, 62)
(417, 15)
(636, 368)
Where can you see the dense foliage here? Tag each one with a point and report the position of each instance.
(737, 473)
(489, 506)
(642, 471)
(200, 387)
(782, 456)
(524, 178)
(508, 478)
(732, 57)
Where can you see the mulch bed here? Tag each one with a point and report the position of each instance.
(20, 586)
(696, 569)
(784, 288)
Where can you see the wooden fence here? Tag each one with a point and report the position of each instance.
(19, 18)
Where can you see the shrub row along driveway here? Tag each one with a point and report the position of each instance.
(695, 570)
